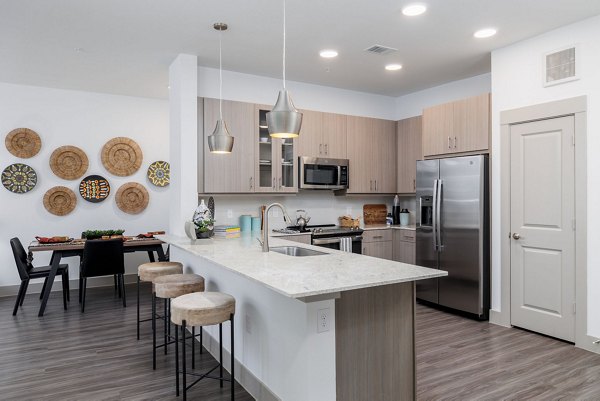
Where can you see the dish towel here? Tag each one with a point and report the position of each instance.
(346, 244)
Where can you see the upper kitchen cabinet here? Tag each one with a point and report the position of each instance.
(457, 127)
(322, 135)
(371, 149)
(276, 166)
(229, 173)
(409, 151)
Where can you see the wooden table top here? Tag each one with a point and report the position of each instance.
(78, 244)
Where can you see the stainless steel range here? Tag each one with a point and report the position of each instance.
(330, 236)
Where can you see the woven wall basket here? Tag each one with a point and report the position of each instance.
(132, 198)
(122, 156)
(69, 162)
(23, 142)
(60, 201)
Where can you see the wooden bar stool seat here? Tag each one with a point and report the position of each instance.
(167, 287)
(203, 309)
(147, 272)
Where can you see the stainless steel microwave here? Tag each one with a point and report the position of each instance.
(322, 173)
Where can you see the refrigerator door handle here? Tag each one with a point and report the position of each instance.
(438, 218)
(434, 214)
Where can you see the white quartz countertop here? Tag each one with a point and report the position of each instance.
(368, 227)
(300, 277)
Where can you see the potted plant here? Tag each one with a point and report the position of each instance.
(204, 227)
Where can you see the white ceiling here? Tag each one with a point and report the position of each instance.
(129, 44)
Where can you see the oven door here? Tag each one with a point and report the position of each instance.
(317, 173)
(334, 243)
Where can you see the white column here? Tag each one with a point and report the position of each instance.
(183, 99)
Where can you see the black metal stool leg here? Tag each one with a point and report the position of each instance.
(153, 331)
(177, 361)
(232, 361)
(193, 347)
(183, 360)
(221, 354)
(201, 341)
(169, 320)
(138, 307)
(165, 326)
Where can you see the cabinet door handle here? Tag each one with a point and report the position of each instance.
(326, 148)
(375, 185)
(377, 236)
(449, 142)
(273, 182)
(320, 148)
(280, 185)
(415, 184)
(250, 182)
(370, 185)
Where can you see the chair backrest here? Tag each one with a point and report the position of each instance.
(23, 265)
(102, 258)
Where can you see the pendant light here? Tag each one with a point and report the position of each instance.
(220, 141)
(284, 120)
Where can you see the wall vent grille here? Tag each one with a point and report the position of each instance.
(560, 66)
(381, 50)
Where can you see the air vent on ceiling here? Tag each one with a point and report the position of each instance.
(560, 66)
(379, 49)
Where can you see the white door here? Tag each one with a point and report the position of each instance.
(543, 227)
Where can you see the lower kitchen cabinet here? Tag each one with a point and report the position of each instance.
(378, 243)
(404, 246)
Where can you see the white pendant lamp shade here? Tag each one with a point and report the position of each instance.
(284, 121)
(220, 141)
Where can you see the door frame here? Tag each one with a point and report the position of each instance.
(576, 107)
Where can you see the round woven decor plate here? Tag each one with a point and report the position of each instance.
(23, 142)
(132, 198)
(60, 200)
(69, 162)
(122, 156)
(94, 188)
(19, 178)
(159, 173)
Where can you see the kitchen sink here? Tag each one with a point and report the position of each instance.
(296, 251)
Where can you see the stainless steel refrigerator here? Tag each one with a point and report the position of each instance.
(453, 232)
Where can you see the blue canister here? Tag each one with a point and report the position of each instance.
(256, 224)
(245, 222)
(404, 217)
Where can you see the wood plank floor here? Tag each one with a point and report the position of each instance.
(462, 359)
(95, 356)
(66, 355)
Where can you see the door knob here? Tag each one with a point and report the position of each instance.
(516, 235)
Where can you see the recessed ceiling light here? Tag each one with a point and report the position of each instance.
(328, 53)
(79, 50)
(485, 33)
(393, 67)
(413, 10)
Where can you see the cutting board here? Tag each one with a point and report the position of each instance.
(374, 214)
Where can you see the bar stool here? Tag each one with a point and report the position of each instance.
(147, 272)
(202, 309)
(173, 286)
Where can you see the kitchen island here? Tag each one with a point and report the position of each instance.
(336, 326)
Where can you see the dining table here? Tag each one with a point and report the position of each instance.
(75, 248)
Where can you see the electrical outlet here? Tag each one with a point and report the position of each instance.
(349, 210)
(229, 213)
(323, 320)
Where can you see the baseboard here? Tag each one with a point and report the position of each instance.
(105, 281)
(587, 343)
(497, 318)
(254, 386)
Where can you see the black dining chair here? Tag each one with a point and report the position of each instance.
(28, 272)
(101, 258)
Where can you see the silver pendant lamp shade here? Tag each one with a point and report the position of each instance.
(220, 141)
(284, 121)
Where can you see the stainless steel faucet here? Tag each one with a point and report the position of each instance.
(286, 218)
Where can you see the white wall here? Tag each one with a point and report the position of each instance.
(413, 104)
(264, 90)
(517, 82)
(86, 120)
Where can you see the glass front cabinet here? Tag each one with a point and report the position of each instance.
(276, 159)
